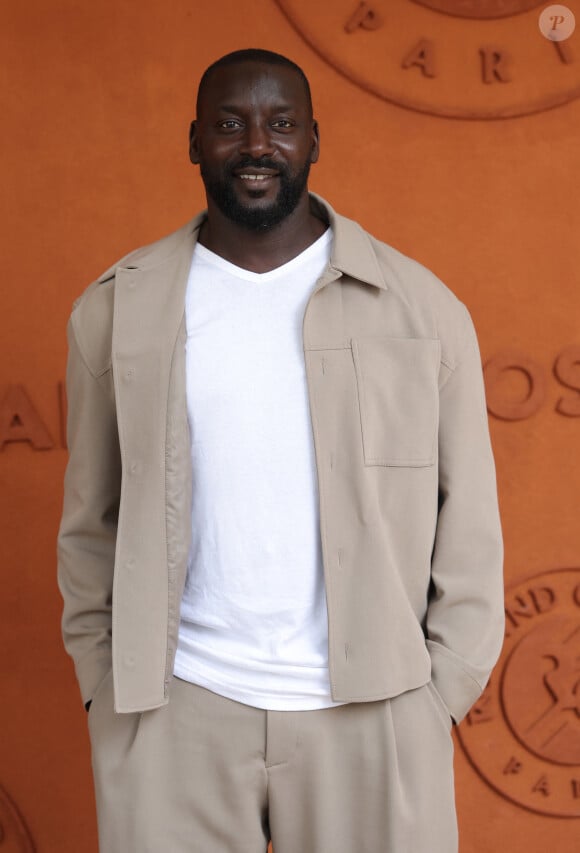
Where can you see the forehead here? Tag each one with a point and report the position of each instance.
(253, 85)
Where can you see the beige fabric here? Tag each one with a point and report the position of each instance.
(409, 520)
(205, 773)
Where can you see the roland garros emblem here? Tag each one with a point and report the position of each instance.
(523, 735)
(468, 59)
(14, 834)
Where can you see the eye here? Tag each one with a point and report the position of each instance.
(230, 124)
(283, 124)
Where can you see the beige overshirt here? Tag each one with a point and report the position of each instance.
(409, 521)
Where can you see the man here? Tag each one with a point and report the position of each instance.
(280, 551)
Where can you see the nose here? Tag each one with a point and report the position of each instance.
(257, 140)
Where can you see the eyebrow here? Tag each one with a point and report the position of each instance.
(232, 108)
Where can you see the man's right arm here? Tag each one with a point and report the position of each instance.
(88, 530)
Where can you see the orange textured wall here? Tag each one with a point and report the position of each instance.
(96, 102)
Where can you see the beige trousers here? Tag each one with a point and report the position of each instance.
(205, 774)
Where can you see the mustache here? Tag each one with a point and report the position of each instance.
(260, 163)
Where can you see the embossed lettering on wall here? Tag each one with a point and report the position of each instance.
(516, 388)
(516, 385)
(523, 735)
(471, 59)
(21, 421)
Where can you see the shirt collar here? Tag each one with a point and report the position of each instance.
(352, 252)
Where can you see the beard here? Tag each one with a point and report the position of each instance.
(221, 190)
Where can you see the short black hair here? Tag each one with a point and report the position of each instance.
(253, 54)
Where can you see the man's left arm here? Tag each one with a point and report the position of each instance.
(465, 616)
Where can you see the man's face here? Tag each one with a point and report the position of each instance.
(254, 139)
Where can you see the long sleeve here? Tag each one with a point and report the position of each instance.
(465, 617)
(87, 536)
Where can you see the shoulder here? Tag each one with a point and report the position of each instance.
(425, 296)
(423, 304)
(91, 320)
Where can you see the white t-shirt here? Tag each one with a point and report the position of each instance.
(253, 615)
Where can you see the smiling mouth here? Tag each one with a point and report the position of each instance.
(256, 178)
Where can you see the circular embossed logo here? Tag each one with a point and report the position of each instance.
(14, 835)
(523, 735)
(469, 59)
(481, 8)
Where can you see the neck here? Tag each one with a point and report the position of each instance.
(261, 251)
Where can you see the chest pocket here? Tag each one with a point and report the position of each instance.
(398, 399)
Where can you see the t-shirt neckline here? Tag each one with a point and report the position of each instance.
(213, 259)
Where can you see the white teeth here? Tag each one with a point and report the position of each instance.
(254, 177)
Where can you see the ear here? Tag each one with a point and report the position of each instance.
(315, 142)
(193, 143)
